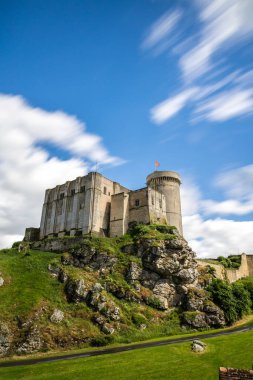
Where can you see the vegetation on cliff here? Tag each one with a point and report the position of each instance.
(102, 290)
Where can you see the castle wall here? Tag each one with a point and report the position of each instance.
(139, 206)
(80, 206)
(250, 264)
(119, 214)
(88, 205)
(232, 275)
(157, 206)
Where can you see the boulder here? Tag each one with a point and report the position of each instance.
(198, 346)
(195, 319)
(1, 281)
(76, 290)
(165, 293)
(57, 316)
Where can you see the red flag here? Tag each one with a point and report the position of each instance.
(157, 163)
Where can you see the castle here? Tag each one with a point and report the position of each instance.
(95, 204)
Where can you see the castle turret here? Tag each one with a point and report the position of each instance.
(168, 183)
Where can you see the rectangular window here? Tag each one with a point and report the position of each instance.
(137, 202)
(152, 200)
(61, 195)
(73, 192)
(82, 189)
(105, 190)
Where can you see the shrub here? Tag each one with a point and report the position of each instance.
(154, 302)
(223, 296)
(16, 244)
(248, 285)
(138, 319)
(243, 301)
(100, 341)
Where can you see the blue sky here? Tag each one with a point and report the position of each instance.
(126, 83)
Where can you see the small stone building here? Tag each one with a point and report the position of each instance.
(96, 204)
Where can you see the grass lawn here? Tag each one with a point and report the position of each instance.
(168, 362)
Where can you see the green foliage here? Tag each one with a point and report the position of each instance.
(138, 319)
(248, 285)
(100, 341)
(154, 302)
(153, 231)
(233, 299)
(230, 262)
(16, 244)
(243, 301)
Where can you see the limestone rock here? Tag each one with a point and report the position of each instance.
(195, 319)
(134, 272)
(32, 342)
(5, 339)
(76, 290)
(198, 346)
(57, 316)
(107, 329)
(1, 281)
(165, 293)
(214, 315)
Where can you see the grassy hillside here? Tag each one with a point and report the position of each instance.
(175, 362)
(30, 292)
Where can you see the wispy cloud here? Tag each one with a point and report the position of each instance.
(223, 22)
(228, 104)
(171, 106)
(161, 30)
(26, 169)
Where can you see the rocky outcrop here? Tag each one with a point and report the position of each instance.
(164, 275)
(32, 342)
(5, 339)
(57, 316)
(197, 300)
(167, 268)
(76, 290)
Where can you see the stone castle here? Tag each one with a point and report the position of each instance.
(98, 205)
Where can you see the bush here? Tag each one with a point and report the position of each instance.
(233, 299)
(248, 285)
(243, 301)
(100, 341)
(138, 319)
(154, 302)
(223, 296)
(230, 262)
(16, 244)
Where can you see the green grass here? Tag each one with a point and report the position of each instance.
(175, 362)
(28, 283)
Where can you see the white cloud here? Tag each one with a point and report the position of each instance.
(237, 182)
(161, 30)
(26, 170)
(228, 104)
(171, 106)
(215, 237)
(227, 207)
(223, 21)
(212, 237)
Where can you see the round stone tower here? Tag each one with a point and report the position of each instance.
(168, 183)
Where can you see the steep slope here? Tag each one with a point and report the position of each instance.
(98, 290)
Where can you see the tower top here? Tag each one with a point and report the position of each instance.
(165, 175)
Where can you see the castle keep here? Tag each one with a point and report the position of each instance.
(95, 204)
